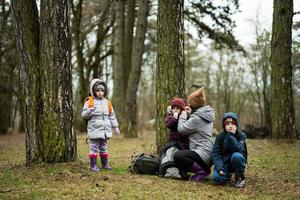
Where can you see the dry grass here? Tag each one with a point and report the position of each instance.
(273, 173)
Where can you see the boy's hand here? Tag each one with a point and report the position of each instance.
(175, 115)
(91, 109)
(117, 130)
(221, 173)
(232, 129)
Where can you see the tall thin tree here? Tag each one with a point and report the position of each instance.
(170, 62)
(282, 103)
(135, 72)
(119, 90)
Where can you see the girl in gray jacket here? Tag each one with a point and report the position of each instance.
(196, 122)
(100, 116)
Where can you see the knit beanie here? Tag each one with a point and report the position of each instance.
(100, 87)
(178, 102)
(232, 120)
(197, 99)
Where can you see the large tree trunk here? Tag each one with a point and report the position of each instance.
(170, 62)
(25, 16)
(58, 140)
(45, 71)
(282, 105)
(135, 73)
(119, 69)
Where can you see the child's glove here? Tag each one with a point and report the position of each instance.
(175, 115)
(91, 109)
(117, 130)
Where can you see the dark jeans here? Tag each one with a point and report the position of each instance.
(237, 164)
(185, 159)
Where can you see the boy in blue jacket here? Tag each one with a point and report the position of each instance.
(230, 152)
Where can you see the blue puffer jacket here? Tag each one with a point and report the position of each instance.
(228, 143)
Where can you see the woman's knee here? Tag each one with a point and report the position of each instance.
(177, 156)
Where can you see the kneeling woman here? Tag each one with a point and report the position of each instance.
(197, 123)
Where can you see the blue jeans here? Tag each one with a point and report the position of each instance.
(237, 164)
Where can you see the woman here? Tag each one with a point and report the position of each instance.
(196, 122)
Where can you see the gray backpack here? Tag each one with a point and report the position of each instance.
(168, 167)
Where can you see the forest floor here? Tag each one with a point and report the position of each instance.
(273, 172)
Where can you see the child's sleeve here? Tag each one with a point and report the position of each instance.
(112, 117)
(217, 154)
(86, 114)
(187, 126)
(171, 122)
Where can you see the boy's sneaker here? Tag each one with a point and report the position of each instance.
(240, 183)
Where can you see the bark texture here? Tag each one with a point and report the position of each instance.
(135, 72)
(45, 70)
(170, 62)
(282, 103)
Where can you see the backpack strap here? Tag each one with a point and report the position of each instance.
(110, 108)
(91, 101)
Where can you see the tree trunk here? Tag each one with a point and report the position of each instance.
(58, 140)
(119, 70)
(282, 104)
(135, 73)
(83, 88)
(130, 18)
(170, 62)
(6, 73)
(78, 43)
(26, 26)
(2, 25)
(45, 73)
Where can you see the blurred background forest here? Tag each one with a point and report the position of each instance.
(117, 41)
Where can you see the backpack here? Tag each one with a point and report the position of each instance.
(144, 164)
(91, 103)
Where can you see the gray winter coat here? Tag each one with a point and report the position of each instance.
(100, 121)
(199, 128)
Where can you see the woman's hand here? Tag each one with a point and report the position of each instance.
(188, 110)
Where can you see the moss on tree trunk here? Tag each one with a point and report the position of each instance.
(282, 104)
(45, 52)
(170, 62)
